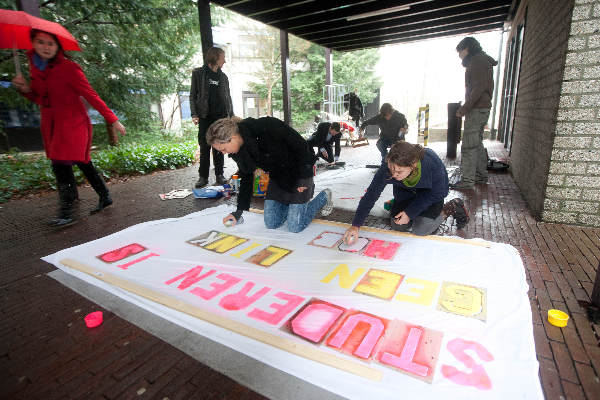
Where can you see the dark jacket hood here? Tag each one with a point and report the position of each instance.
(482, 55)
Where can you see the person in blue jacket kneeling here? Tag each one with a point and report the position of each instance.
(420, 185)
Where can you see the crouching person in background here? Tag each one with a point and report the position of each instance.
(327, 135)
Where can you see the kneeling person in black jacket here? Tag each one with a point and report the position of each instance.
(327, 134)
(273, 146)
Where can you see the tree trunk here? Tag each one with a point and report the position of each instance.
(269, 99)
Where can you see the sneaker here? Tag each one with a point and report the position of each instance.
(462, 185)
(62, 222)
(328, 207)
(221, 180)
(201, 182)
(456, 208)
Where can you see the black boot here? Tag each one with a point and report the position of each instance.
(456, 208)
(67, 195)
(66, 204)
(104, 202)
(96, 181)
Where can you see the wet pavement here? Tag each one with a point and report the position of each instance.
(46, 351)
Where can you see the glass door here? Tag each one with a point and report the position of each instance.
(511, 80)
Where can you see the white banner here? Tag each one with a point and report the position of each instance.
(392, 316)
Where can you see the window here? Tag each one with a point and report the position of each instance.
(184, 105)
(254, 106)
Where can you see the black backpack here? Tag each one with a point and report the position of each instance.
(495, 164)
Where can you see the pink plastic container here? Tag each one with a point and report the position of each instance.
(94, 319)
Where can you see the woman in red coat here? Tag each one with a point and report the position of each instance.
(57, 86)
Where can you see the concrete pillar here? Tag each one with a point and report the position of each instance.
(205, 25)
(285, 76)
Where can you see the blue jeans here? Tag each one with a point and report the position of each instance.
(298, 216)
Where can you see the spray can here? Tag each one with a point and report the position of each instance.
(235, 182)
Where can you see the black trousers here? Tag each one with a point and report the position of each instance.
(205, 150)
(65, 179)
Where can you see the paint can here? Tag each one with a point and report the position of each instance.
(261, 183)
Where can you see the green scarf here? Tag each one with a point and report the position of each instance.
(412, 179)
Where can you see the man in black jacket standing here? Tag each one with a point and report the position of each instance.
(354, 106)
(392, 125)
(327, 134)
(209, 101)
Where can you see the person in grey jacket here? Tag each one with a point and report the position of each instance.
(393, 127)
(210, 100)
(479, 88)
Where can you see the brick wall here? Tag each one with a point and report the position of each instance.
(546, 34)
(573, 190)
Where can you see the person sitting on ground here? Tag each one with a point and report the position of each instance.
(327, 134)
(420, 185)
(273, 146)
(392, 126)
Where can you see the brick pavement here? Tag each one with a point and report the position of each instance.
(46, 351)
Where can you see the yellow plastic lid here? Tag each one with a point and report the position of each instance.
(558, 318)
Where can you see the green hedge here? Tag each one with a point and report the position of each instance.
(21, 173)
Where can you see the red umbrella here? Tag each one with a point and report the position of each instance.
(16, 25)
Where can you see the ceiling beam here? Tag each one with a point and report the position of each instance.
(465, 12)
(230, 3)
(325, 22)
(337, 20)
(416, 38)
(253, 8)
(313, 10)
(476, 18)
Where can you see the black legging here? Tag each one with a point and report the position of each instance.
(65, 179)
(205, 149)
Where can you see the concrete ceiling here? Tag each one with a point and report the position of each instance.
(359, 24)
